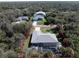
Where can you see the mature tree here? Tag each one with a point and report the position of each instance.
(2, 35)
(55, 20)
(50, 20)
(7, 28)
(4, 46)
(66, 42)
(67, 52)
(17, 39)
(1, 53)
(18, 12)
(21, 27)
(10, 54)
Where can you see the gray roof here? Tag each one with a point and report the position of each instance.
(39, 37)
(22, 18)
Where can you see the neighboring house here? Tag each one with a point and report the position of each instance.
(39, 15)
(22, 18)
(44, 41)
(18, 22)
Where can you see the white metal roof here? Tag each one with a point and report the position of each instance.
(40, 12)
(39, 37)
(37, 17)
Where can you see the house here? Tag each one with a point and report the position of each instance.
(22, 18)
(39, 15)
(44, 41)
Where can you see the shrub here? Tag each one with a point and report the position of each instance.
(48, 54)
(67, 52)
(33, 53)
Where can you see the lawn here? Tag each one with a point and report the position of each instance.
(26, 43)
(41, 22)
(45, 30)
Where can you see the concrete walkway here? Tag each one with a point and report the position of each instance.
(38, 27)
(34, 24)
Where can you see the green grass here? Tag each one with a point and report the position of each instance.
(41, 22)
(26, 43)
(45, 30)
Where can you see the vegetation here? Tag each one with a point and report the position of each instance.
(33, 53)
(63, 14)
(67, 52)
